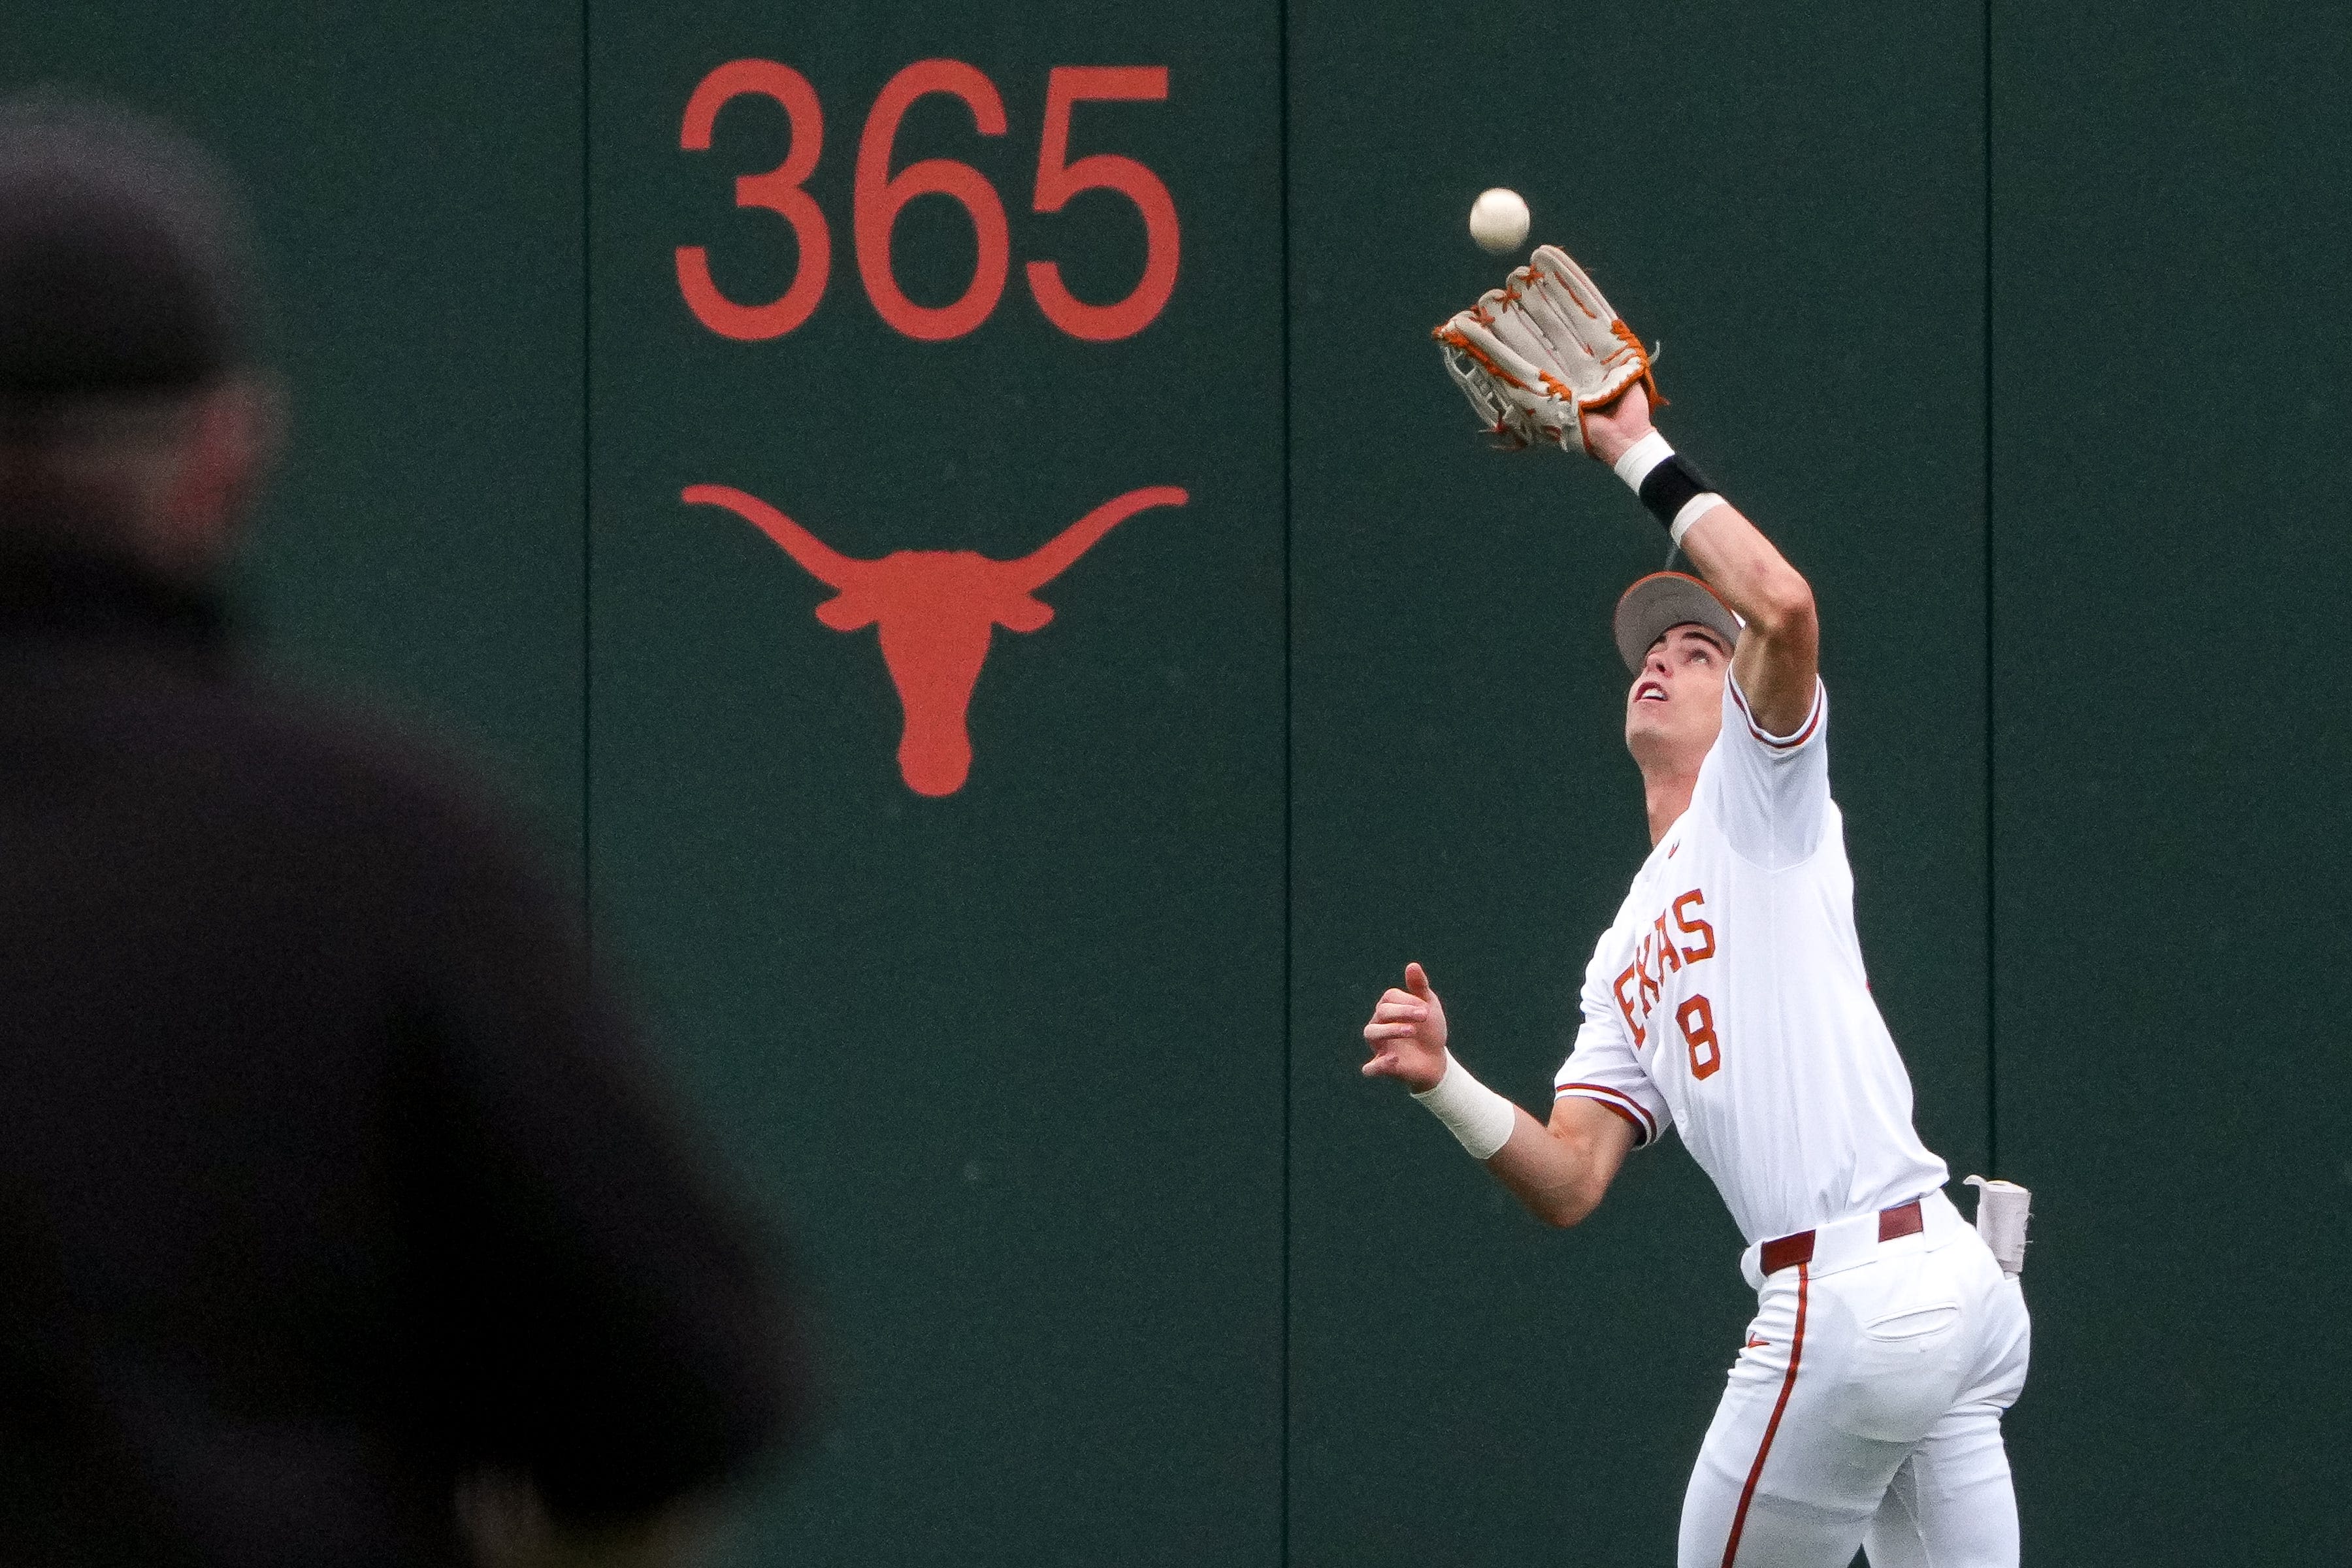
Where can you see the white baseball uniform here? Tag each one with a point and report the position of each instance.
(1728, 999)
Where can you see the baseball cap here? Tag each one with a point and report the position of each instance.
(123, 267)
(1662, 601)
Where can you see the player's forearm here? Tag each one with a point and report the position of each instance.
(1751, 575)
(1730, 551)
(1556, 1171)
(1552, 1177)
(1780, 648)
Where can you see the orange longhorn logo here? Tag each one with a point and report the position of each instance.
(935, 610)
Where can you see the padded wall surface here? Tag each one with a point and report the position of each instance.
(417, 189)
(2172, 753)
(1010, 1055)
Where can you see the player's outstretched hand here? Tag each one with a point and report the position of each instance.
(1407, 1034)
(1612, 427)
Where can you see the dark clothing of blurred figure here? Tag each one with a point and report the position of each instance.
(326, 1177)
(329, 1178)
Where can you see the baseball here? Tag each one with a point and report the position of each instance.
(1498, 220)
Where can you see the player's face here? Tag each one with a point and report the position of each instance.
(1675, 708)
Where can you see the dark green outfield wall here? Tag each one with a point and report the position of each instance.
(1052, 1074)
(416, 187)
(2172, 737)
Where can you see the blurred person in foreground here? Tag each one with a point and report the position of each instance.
(341, 1219)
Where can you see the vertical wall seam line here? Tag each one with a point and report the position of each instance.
(1289, 914)
(587, 482)
(1991, 821)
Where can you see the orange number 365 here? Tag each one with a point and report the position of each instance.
(878, 196)
(1697, 1018)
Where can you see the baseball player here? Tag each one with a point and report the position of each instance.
(1728, 1000)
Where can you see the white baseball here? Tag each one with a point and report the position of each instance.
(1498, 220)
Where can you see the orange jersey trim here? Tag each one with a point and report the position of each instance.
(1778, 742)
(1615, 1100)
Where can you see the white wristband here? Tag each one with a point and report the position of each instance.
(1633, 464)
(1697, 507)
(1477, 1116)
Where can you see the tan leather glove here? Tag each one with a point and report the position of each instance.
(1534, 355)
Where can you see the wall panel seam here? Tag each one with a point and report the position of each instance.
(1289, 793)
(1991, 821)
(587, 482)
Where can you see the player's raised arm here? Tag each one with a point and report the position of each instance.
(1560, 1171)
(1780, 648)
(1546, 359)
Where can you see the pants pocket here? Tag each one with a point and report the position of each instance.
(1903, 1360)
(1913, 1323)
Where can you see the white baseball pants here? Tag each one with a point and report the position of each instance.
(1864, 1410)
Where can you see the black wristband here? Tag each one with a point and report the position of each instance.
(1668, 487)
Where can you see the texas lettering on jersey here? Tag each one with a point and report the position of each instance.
(1741, 921)
(1659, 954)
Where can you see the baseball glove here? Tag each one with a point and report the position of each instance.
(1534, 354)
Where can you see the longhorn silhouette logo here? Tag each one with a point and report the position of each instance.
(936, 611)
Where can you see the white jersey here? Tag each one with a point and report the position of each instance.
(1728, 999)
